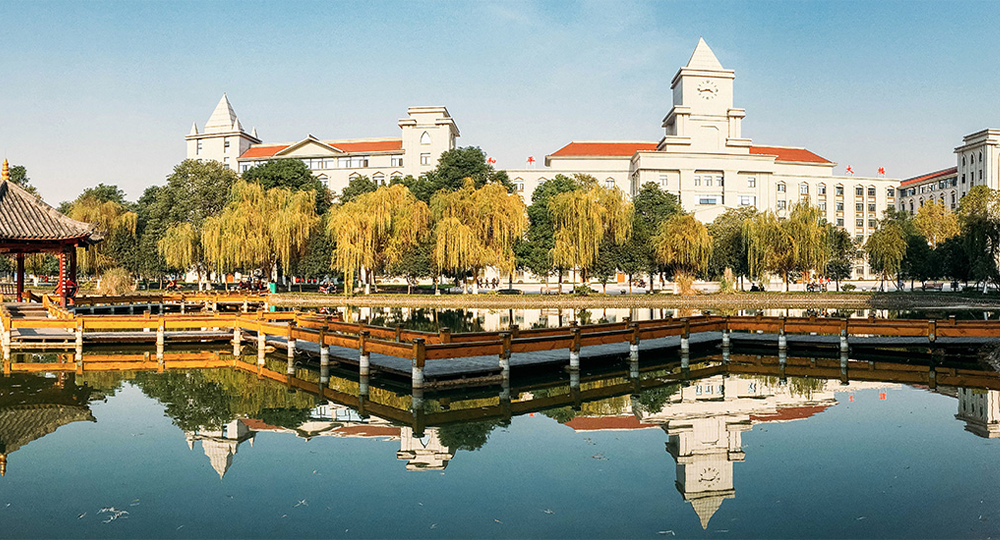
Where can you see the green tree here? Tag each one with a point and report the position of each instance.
(729, 249)
(979, 217)
(583, 218)
(842, 251)
(453, 167)
(19, 176)
(936, 223)
(886, 248)
(684, 245)
(290, 174)
(535, 253)
(356, 187)
(652, 207)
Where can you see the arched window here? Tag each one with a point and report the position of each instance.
(803, 189)
(980, 156)
(821, 189)
(379, 179)
(396, 175)
(609, 183)
(425, 138)
(519, 184)
(963, 161)
(781, 187)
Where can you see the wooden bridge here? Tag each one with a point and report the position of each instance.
(446, 358)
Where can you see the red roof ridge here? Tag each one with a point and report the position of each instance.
(795, 154)
(928, 176)
(370, 139)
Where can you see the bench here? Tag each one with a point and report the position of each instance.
(932, 286)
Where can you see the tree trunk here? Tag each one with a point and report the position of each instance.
(436, 291)
(560, 280)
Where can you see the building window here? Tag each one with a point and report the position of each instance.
(609, 183)
(821, 189)
(663, 180)
(839, 191)
(198, 150)
(719, 181)
(890, 192)
(751, 181)
(781, 188)
(871, 208)
(244, 167)
(425, 138)
(859, 191)
(963, 176)
(871, 191)
(803, 189)
(871, 223)
(840, 206)
(859, 207)
(379, 179)
(225, 142)
(859, 223)
(822, 205)
(425, 159)
(840, 222)
(780, 205)
(980, 174)
(519, 184)
(395, 176)
(697, 181)
(748, 200)
(225, 162)
(708, 200)
(396, 161)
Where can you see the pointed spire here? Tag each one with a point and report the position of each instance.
(194, 128)
(223, 117)
(253, 133)
(704, 58)
(237, 126)
(5, 173)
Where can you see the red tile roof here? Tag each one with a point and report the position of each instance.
(368, 146)
(798, 155)
(368, 431)
(788, 414)
(265, 150)
(349, 147)
(930, 176)
(623, 149)
(595, 423)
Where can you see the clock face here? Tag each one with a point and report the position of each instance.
(707, 90)
(708, 476)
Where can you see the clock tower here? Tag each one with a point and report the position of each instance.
(703, 119)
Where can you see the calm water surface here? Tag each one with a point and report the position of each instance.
(218, 453)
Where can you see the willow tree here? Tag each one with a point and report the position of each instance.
(375, 229)
(886, 248)
(259, 229)
(807, 230)
(768, 246)
(180, 248)
(583, 218)
(936, 222)
(110, 217)
(683, 243)
(477, 228)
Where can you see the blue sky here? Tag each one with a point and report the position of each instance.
(105, 92)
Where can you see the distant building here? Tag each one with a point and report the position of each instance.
(977, 163)
(425, 134)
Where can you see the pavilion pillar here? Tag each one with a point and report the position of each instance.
(62, 279)
(72, 274)
(20, 277)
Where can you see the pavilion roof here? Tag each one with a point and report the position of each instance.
(25, 217)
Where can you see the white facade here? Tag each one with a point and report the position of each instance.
(425, 134)
(977, 163)
(705, 160)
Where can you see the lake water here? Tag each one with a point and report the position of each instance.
(739, 452)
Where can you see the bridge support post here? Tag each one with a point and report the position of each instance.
(6, 338)
(364, 360)
(574, 352)
(261, 343)
(291, 339)
(444, 335)
(932, 378)
(160, 337)
(183, 307)
(504, 360)
(79, 341)
(419, 358)
(633, 351)
(237, 338)
(932, 331)
(686, 337)
(324, 359)
(843, 367)
(574, 389)
(844, 348)
(782, 338)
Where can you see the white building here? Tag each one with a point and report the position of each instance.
(977, 163)
(425, 134)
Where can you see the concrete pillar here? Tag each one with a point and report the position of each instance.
(504, 359)
(290, 370)
(261, 343)
(364, 361)
(183, 307)
(160, 338)
(574, 352)
(725, 338)
(931, 331)
(685, 360)
(844, 348)
(932, 378)
(782, 358)
(782, 339)
(324, 358)
(291, 339)
(419, 357)
(237, 338)
(843, 368)
(6, 338)
(574, 389)
(686, 338)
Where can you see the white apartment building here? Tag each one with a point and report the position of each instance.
(703, 157)
(977, 163)
(425, 134)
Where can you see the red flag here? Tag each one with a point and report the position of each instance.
(850, 170)
(531, 160)
(881, 170)
(491, 161)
